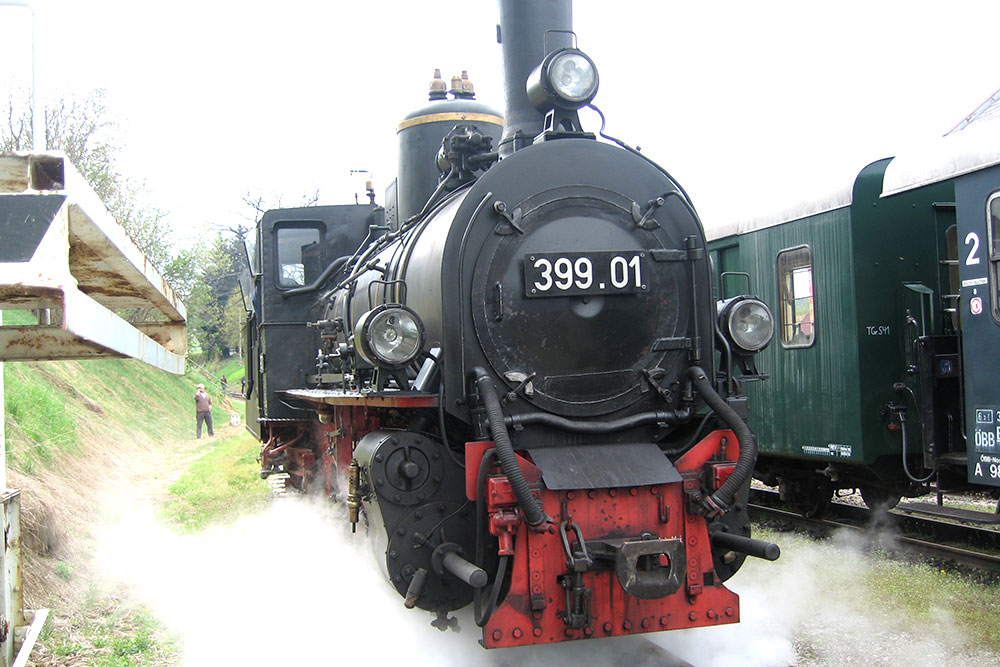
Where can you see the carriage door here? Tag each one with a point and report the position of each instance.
(978, 216)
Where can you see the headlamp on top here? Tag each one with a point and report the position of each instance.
(390, 336)
(566, 79)
(747, 323)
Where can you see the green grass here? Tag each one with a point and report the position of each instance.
(232, 369)
(47, 402)
(55, 410)
(918, 592)
(40, 427)
(222, 484)
(18, 318)
(64, 570)
(120, 638)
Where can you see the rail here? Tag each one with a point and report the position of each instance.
(968, 546)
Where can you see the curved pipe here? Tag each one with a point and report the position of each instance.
(906, 467)
(335, 266)
(530, 506)
(265, 450)
(383, 241)
(281, 448)
(546, 419)
(719, 501)
(901, 387)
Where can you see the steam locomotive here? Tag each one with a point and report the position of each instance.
(508, 372)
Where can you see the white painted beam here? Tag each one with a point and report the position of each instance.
(80, 264)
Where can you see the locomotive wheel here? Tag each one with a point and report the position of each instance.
(810, 497)
(878, 498)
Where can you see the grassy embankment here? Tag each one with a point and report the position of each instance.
(79, 431)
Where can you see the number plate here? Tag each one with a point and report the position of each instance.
(582, 273)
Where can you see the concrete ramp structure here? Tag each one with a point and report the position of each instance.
(65, 260)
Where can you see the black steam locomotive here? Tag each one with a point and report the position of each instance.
(508, 372)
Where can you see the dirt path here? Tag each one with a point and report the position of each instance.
(63, 511)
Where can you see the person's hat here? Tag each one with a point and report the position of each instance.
(201, 386)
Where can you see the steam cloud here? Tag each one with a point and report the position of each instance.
(292, 585)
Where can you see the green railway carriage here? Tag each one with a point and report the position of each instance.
(884, 366)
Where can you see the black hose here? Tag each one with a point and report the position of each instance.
(658, 417)
(530, 506)
(334, 266)
(901, 387)
(363, 265)
(694, 438)
(459, 461)
(719, 501)
(482, 613)
(906, 467)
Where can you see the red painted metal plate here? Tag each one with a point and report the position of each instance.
(532, 611)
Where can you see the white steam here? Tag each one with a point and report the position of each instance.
(292, 585)
(812, 607)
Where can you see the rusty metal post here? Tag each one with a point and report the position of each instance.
(3, 428)
(7, 603)
(10, 575)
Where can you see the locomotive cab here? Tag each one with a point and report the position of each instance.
(294, 248)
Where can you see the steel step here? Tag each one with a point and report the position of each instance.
(949, 512)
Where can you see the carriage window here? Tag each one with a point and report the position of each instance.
(795, 288)
(993, 230)
(298, 255)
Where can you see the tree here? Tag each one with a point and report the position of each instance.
(234, 316)
(205, 277)
(215, 293)
(259, 205)
(83, 129)
(214, 299)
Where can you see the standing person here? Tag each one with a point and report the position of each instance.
(203, 409)
(224, 383)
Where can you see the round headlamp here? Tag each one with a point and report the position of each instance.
(748, 323)
(390, 336)
(567, 79)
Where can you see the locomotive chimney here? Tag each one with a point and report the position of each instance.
(521, 34)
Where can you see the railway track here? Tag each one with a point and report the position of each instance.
(966, 546)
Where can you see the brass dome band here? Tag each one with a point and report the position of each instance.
(450, 116)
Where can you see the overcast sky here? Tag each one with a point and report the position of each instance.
(750, 105)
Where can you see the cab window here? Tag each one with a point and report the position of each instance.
(298, 254)
(795, 290)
